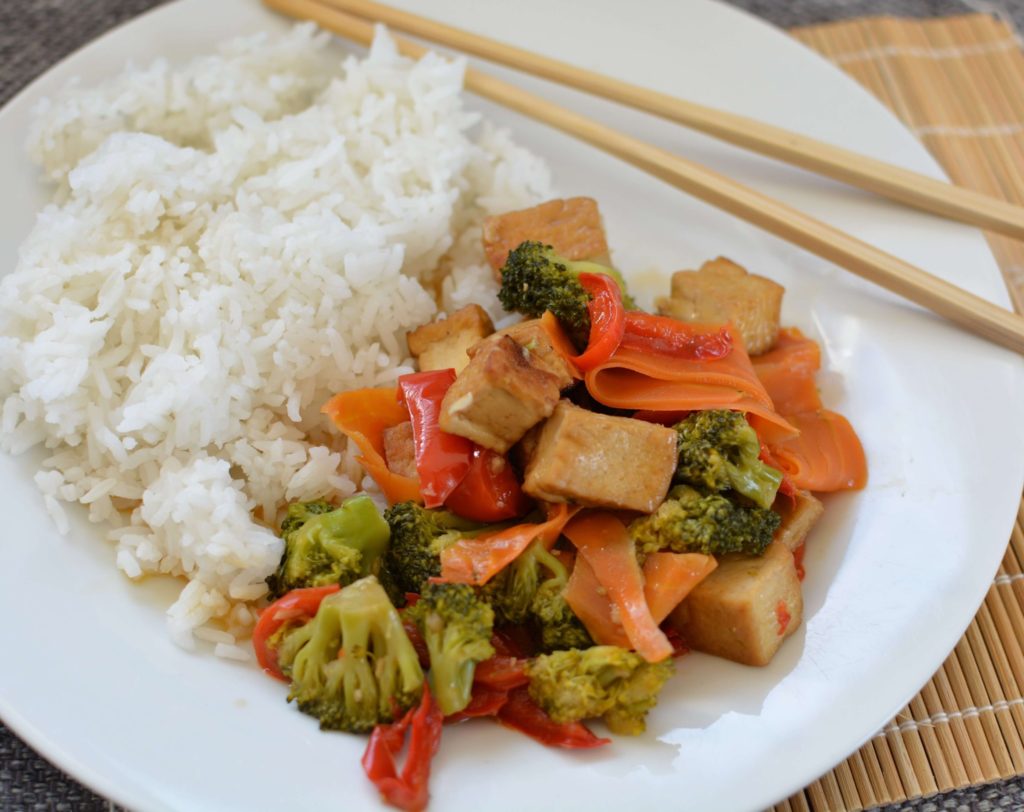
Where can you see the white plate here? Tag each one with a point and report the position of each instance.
(895, 573)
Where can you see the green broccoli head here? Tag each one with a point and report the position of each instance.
(609, 682)
(558, 626)
(456, 626)
(719, 451)
(327, 545)
(512, 590)
(352, 666)
(535, 278)
(531, 590)
(418, 536)
(688, 522)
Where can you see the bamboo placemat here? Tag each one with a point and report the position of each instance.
(958, 83)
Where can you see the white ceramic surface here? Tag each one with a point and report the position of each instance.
(895, 573)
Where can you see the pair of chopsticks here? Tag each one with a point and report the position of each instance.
(354, 20)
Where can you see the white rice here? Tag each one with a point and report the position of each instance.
(232, 241)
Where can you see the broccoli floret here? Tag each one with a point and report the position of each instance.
(718, 451)
(531, 590)
(688, 522)
(535, 278)
(327, 545)
(418, 536)
(604, 681)
(352, 666)
(456, 626)
(557, 625)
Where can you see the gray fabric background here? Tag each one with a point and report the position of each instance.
(34, 34)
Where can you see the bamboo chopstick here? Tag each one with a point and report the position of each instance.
(911, 188)
(973, 312)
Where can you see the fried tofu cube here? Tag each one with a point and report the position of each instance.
(442, 343)
(572, 227)
(723, 291)
(532, 337)
(400, 450)
(798, 517)
(598, 460)
(499, 396)
(745, 608)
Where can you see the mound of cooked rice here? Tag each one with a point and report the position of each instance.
(233, 241)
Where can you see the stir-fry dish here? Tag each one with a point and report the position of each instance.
(573, 501)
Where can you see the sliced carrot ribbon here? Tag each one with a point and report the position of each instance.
(668, 579)
(362, 415)
(827, 454)
(477, 560)
(634, 378)
(602, 540)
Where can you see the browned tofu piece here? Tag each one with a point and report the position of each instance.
(572, 227)
(399, 450)
(745, 608)
(499, 396)
(798, 518)
(442, 343)
(723, 291)
(532, 337)
(600, 461)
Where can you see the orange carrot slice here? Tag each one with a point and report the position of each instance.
(603, 542)
(362, 415)
(590, 604)
(787, 372)
(635, 379)
(477, 560)
(826, 456)
(668, 579)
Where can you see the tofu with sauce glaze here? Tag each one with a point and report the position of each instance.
(499, 396)
(400, 450)
(598, 460)
(443, 343)
(798, 517)
(723, 291)
(532, 337)
(745, 608)
(572, 227)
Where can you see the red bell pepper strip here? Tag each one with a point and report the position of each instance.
(523, 714)
(299, 604)
(607, 320)
(501, 673)
(668, 336)
(490, 490)
(483, 702)
(442, 459)
(474, 482)
(407, 790)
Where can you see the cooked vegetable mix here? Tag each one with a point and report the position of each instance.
(573, 501)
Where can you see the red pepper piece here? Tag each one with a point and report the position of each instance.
(524, 715)
(484, 702)
(490, 491)
(299, 604)
(501, 673)
(607, 320)
(668, 336)
(512, 641)
(474, 482)
(442, 459)
(407, 790)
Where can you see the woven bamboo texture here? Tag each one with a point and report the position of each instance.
(958, 83)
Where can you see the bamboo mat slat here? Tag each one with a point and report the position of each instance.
(958, 84)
